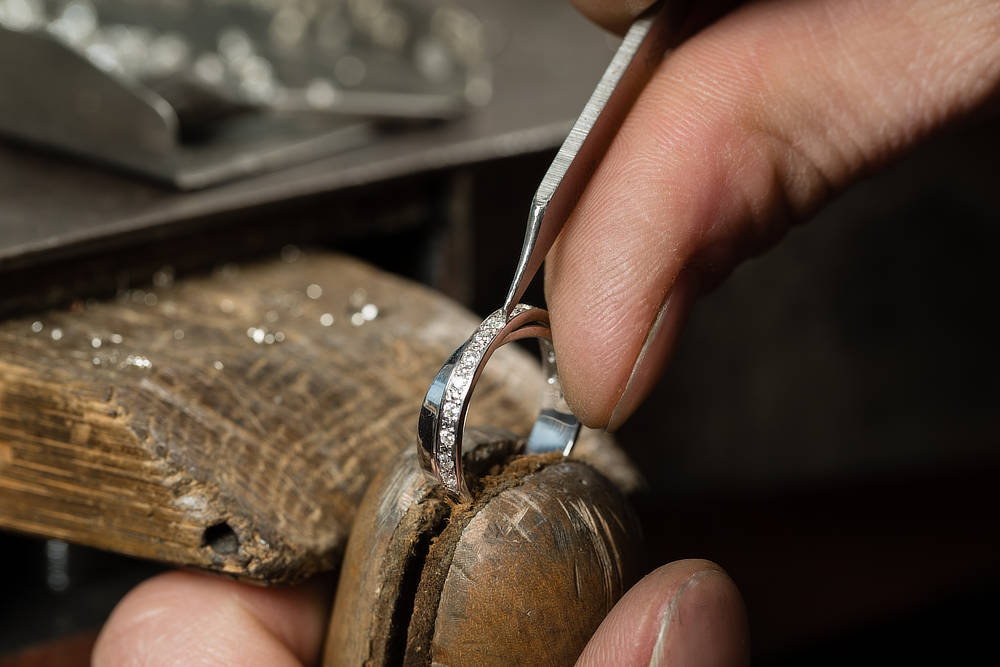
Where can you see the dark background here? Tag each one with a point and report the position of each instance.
(827, 431)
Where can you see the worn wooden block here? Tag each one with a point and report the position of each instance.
(225, 421)
(522, 575)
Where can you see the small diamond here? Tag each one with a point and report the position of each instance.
(138, 361)
(448, 437)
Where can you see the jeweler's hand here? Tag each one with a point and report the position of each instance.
(686, 613)
(187, 618)
(747, 127)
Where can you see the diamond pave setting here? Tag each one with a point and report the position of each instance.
(441, 424)
(456, 393)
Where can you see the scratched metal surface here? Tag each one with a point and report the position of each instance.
(548, 61)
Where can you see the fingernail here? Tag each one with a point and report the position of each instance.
(701, 626)
(656, 348)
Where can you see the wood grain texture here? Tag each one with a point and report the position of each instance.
(399, 515)
(523, 574)
(540, 566)
(154, 425)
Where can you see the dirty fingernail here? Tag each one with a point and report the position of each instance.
(703, 625)
(656, 349)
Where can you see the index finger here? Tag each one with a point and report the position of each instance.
(615, 15)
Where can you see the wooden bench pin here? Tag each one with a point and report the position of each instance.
(521, 575)
(165, 425)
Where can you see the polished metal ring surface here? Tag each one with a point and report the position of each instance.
(442, 415)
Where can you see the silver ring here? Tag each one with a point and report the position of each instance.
(442, 415)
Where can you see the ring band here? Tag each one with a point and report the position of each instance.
(442, 415)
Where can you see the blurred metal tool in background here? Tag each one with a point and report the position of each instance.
(195, 93)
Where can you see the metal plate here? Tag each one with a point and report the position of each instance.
(547, 62)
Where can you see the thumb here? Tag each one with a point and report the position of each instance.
(685, 613)
(748, 126)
